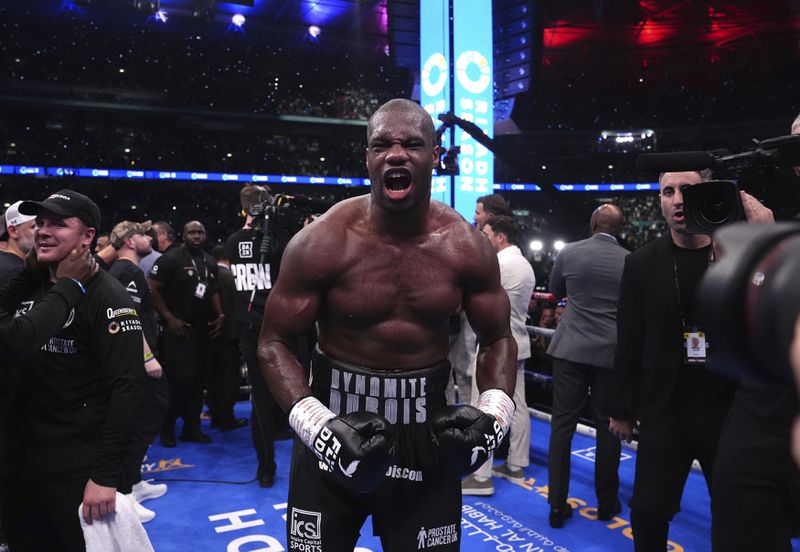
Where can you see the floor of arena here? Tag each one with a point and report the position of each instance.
(210, 485)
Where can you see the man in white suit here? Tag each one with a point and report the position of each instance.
(518, 280)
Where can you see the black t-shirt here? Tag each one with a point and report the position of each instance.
(697, 384)
(77, 398)
(131, 276)
(190, 280)
(252, 276)
(771, 406)
(10, 264)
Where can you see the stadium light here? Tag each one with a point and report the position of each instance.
(238, 20)
(314, 32)
(73, 5)
(558, 245)
(147, 6)
(536, 245)
(204, 9)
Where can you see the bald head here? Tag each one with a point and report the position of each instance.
(606, 218)
(406, 106)
(194, 234)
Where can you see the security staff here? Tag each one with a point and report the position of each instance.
(183, 283)
(75, 400)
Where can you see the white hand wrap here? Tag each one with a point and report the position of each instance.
(495, 402)
(307, 418)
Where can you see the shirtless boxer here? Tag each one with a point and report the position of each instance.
(381, 274)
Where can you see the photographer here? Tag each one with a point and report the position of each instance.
(795, 359)
(253, 276)
(661, 376)
(755, 499)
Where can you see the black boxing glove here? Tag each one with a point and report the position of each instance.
(466, 435)
(356, 448)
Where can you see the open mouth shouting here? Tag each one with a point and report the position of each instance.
(678, 216)
(397, 182)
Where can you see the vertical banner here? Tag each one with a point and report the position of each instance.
(435, 74)
(474, 99)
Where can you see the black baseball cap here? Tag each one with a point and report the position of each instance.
(67, 203)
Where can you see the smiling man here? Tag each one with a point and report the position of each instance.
(76, 398)
(381, 275)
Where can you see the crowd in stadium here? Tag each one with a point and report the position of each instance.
(113, 60)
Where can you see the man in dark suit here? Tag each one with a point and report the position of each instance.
(588, 273)
(660, 379)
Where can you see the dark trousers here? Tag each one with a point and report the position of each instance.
(150, 421)
(267, 417)
(667, 448)
(223, 384)
(573, 385)
(188, 363)
(40, 515)
(755, 499)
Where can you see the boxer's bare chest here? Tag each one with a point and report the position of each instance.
(417, 281)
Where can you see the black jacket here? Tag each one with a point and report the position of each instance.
(649, 356)
(75, 400)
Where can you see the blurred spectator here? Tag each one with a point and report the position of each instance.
(223, 382)
(101, 243)
(487, 206)
(19, 232)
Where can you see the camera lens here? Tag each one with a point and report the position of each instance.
(716, 208)
(749, 299)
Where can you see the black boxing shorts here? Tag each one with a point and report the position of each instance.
(416, 507)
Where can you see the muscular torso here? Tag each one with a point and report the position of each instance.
(386, 301)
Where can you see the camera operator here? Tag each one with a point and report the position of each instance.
(253, 277)
(794, 354)
(755, 498)
(660, 376)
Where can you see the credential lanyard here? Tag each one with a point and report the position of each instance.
(196, 269)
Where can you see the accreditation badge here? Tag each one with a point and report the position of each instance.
(200, 290)
(695, 346)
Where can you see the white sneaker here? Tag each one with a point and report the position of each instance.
(145, 490)
(144, 514)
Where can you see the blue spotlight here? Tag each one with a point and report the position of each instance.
(72, 5)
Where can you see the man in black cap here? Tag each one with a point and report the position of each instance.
(76, 398)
